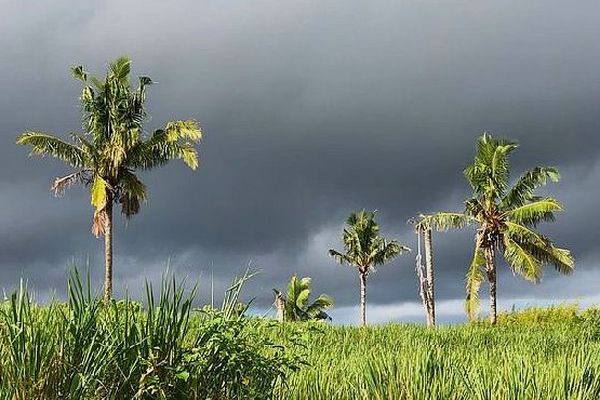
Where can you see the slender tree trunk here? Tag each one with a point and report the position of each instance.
(108, 248)
(430, 278)
(280, 305)
(490, 260)
(363, 297)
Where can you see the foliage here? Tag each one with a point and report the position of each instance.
(298, 306)
(553, 360)
(364, 248)
(86, 349)
(114, 146)
(506, 217)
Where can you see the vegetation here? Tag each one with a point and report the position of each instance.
(546, 355)
(364, 249)
(163, 349)
(296, 305)
(505, 218)
(113, 148)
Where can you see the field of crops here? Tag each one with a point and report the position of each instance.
(164, 348)
(517, 361)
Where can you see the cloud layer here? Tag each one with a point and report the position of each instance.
(310, 110)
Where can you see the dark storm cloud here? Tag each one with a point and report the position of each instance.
(310, 110)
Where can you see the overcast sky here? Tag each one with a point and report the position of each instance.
(310, 109)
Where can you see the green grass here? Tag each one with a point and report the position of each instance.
(163, 348)
(529, 360)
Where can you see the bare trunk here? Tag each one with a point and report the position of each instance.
(363, 297)
(490, 260)
(280, 305)
(430, 278)
(108, 248)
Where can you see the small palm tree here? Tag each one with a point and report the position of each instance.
(365, 250)
(296, 306)
(505, 218)
(113, 148)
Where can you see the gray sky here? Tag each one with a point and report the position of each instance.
(311, 110)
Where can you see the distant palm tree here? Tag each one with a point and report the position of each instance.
(113, 148)
(364, 249)
(296, 306)
(505, 218)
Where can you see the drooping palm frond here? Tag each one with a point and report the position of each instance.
(521, 261)
(61, 183)
(44, 144)
(560, 259)
(473, 281)
(444, 221)
(132, 193)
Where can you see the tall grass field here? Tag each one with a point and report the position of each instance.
(166, 348)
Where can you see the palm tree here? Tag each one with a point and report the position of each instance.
(113, 148)
(426, 278)
(295, 305)
(365, 250)
(506, 218)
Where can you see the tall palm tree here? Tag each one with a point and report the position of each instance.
(296, 306)
(113, 147)
(505, 217)
(364, 249)
(426, 278)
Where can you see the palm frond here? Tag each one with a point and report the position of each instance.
(444, 221)
(133, 193)
(524, 190)
(61, 183)
(521, 260)
(473, 281)
(44, 144)
(534, 212)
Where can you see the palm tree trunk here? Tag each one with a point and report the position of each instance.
(363, 296)
(430, 280)
(108, 248)
(280, 305)
(490, 260)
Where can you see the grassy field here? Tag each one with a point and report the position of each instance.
(548, 360)
(163, 348)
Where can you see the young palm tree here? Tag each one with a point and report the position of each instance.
(365, 250)
(505, 218)
(426, 278)
(295, 306)
(113, 148)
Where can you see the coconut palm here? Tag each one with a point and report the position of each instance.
(505, 217)
(113, 148)
(296, 306)
(365, 249)
(425, 275)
